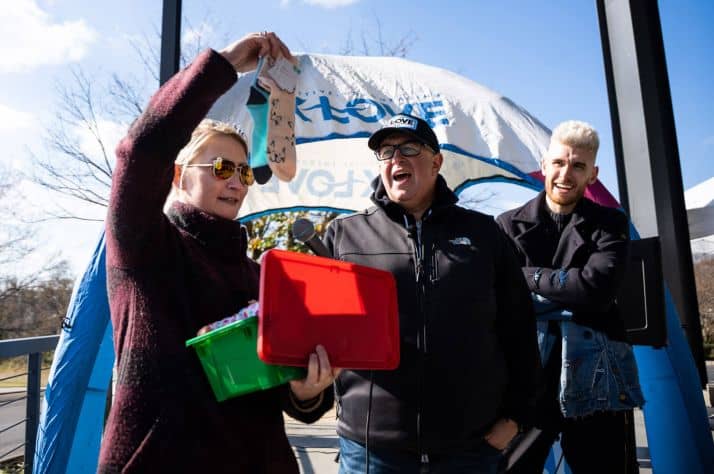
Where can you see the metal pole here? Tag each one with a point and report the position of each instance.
(614, 111)
(170, 39)
(32, 409)
(646, 152)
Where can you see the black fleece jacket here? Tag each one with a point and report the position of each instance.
(468, 344)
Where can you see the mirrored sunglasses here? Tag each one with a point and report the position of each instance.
(225, 169)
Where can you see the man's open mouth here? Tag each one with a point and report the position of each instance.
(401, 176)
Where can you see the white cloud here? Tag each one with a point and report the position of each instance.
(72, 240)
(322, 3)
(29, 38)
(12, 120)
(197, 36)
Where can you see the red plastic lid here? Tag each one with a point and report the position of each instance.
(307, 300)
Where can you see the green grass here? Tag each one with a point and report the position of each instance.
(16, 366)
(21, 382)
(13, 466)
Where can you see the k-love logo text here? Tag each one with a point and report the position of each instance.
(321, 183)
(367, 110)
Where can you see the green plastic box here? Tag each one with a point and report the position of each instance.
(231, 363)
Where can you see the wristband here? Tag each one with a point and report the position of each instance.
(536, 277)
(306, 406)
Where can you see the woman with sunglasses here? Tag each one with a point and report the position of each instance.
(170, 273)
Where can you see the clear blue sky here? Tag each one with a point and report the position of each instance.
(544, 55)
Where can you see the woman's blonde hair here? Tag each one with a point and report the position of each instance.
(206, 129)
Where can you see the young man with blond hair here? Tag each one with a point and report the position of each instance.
(573, 254)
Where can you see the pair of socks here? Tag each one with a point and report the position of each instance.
(273, 139)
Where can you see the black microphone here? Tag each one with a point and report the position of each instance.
(304, 231)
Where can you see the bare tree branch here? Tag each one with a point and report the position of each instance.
(148, 53)
(374, 43)
(37, 307)
(17, 243)
(348, 46)
(402, 47)
(126, 95)
(380, 40)
(79, 160)
(189, 50)
(365, 46)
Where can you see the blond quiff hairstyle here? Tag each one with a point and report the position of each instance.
(577, 134)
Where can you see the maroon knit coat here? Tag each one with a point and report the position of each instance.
(167, 276)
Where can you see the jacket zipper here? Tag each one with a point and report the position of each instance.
(419, 270)
(421, 283)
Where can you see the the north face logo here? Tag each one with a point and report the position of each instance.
(402, 121)
(460, 241)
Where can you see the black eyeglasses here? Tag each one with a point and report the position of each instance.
(225, 169)
(408, 149)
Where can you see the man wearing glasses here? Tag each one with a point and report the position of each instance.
(466, 380)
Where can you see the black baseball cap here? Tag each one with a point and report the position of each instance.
(409, 125)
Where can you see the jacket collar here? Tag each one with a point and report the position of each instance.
(223, 236)
(533, 213)
(443, 197)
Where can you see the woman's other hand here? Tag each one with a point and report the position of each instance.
(244, 53)
(320, 375)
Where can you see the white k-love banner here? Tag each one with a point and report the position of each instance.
(341, 100)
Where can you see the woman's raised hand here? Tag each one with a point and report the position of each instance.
(244, 53)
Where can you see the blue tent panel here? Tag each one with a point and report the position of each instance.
(79, 377)
(88, 435)
(678, 434)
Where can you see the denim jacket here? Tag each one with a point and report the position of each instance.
(597, 374)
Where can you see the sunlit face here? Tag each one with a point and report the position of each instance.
(567, 171)
(410, 181)
(220, 197)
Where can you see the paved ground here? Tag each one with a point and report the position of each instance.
(12, 401)
(316, 445)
